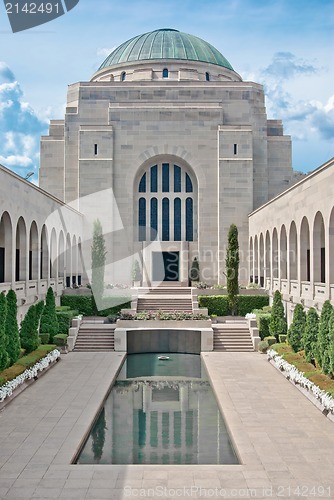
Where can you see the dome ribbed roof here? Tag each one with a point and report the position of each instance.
(166, 44)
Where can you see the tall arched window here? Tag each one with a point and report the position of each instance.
(142, 219)
(166, 203)
(177, 219)
(165, 219)
(207, 76)
(165, 73)
(189, 220)
(123, 76)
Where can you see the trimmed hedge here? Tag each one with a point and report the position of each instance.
(218, 304)
(25, 362)
(64, 320)
(85, 305)
(60, 339)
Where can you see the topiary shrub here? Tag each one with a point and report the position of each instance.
(60, 339)
(271, 340)
(65, 320)
(331, 343)
(45, 337)
(246, 303)
(49, 321)
(323, 357)
(262, 321)
(232, 268)
(4, 358)
(297, 327)
(12, 329)
(310, 337)
(282, 339)
(277, 324)
(30, 339)
(263, 346)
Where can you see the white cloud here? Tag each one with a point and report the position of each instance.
(20, 127)
(104, 51)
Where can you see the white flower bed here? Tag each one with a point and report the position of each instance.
(298, 378)
(250, 316)
(7, 389)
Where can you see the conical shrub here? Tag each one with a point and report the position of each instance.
(297, 327)
(12, 329)
(310, 338)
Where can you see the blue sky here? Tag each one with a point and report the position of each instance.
(287, 45)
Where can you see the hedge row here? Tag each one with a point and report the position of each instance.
(218, 304)
(65, 319)
(85, 305)
(25, 362)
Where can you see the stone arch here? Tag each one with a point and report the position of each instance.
(331, 246)
(275, 254)
(261, 262)
(45, 259)
(293, 252)
(305, 262)
(283, 253)
(6, 237)
(268, 255)
(256, 259)
(33, 251)
(21, 251)
(68, 261)
(53, 255)
(61, 254)
(163, 179)
(319, 258)
(74, 260)
(251, 260)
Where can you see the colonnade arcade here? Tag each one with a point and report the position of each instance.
(296, 257)
(32, 252)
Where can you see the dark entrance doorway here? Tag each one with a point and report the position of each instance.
(165, 266)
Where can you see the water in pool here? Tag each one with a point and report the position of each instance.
(160, 412)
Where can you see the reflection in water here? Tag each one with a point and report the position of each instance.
(155, 416)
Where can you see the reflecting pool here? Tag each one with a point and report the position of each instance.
(160, 412)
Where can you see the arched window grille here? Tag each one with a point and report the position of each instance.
(166, 204)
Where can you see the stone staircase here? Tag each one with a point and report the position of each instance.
(95, 337)
(165, 298)
(232, 337)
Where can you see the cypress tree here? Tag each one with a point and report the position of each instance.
(297, 327)
(323, 338)
(194, 271)
(232, 268)
(49, 320)
(277, 324)
(98, 260)
(29, 329)
(12, 329)
(310, 338)
(4, 358)
(331, 343)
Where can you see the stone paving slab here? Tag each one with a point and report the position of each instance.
(286, 446)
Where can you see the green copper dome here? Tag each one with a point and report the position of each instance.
(166, 44)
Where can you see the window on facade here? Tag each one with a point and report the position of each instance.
(177, 179)
(165, 219)
(142, 219)
(142, 184)
(207, 76)
(177, 219)
(123, 76)
(154, 179)
(165, 177)
(189, 184)
(189, 220)
(235, 149)
(165, 73)
(154, 219)
(95, 149)
(165, 211)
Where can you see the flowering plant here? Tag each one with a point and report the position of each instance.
(7, 389)
(298, 378)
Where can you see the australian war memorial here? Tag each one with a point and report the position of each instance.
(170, 130)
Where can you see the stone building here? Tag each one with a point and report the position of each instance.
(181, 145)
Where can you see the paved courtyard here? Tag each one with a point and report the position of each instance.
(285, 444)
